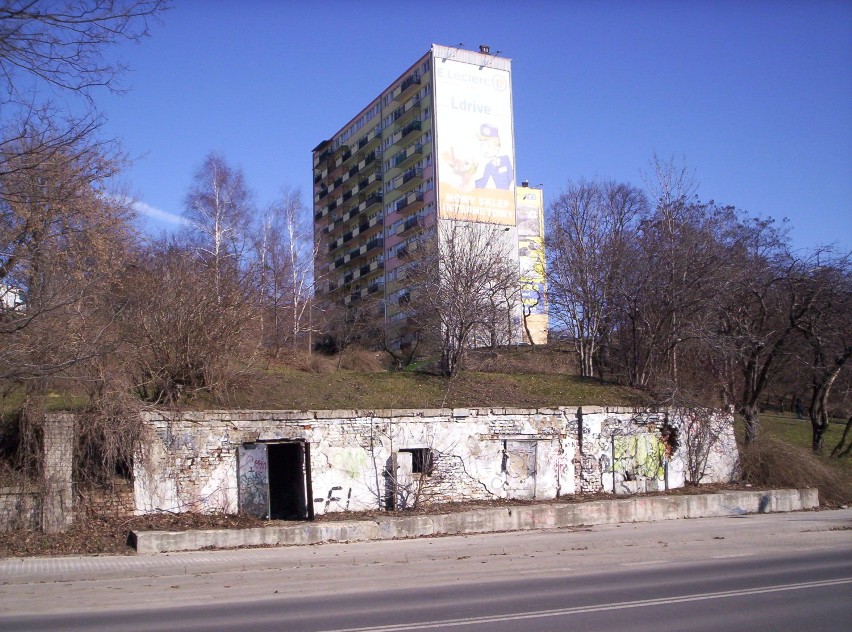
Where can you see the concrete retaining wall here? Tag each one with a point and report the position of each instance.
(516, 518)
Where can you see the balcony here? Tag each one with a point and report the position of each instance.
(376, 198)
(371, 182)
(408, 180)
(370, 139)
(414, 200)
(341, 158)
(405, 113)
(378, 242)
(406, 88)
(368, 159)
(407, 157)
(412, 222)
(413, 126)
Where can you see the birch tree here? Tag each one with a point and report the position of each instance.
(219, 210)
(285, 276)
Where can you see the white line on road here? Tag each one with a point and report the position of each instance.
(599, 608)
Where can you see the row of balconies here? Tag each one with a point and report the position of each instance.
(366, 161)
(368, 141)
(371, 245)
(362, 187)
(359, 294)
(363, 272)
(363, 206)
(363, 227)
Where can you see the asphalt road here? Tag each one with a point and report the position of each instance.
(767, 572)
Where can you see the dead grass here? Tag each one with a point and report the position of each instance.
(775, 462)
(551, 359)
(290, 389)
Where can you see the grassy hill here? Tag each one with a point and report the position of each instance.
(519, 378)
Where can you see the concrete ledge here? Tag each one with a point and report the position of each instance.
(487, 520)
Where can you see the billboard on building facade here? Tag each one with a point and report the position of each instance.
(474, 136)
(531, 249)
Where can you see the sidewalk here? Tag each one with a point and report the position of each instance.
(502, 519)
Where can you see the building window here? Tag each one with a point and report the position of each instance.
(421, 460)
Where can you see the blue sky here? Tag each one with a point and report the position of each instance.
(755, 96)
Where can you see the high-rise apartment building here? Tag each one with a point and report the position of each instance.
(436, 146)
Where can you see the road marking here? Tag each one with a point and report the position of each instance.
(425, 625)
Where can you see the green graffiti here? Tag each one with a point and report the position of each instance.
(352, 461)
(642, 456)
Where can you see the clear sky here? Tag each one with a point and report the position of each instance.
(755, 96)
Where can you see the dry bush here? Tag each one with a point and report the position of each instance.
(526, 360)
(318, 363)
(356, 359)
(775, 463)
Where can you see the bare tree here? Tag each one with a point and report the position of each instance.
(54, 48)
(347, 323)
(62, 240)
(183, 333)
(827, 329)
(219, 210)
(285, 254)
(464, 288)
(588, 227)
(758, 316)
(61, 44)
(843, 448)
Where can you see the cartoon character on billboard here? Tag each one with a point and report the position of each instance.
(463, 166)
(498, 172)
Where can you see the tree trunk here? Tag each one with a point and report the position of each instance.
(842, 449)
(817, 411)
(751, 418)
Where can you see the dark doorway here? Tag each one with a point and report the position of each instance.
(287, 475)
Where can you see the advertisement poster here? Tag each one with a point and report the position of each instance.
(531, 249)
(476, 161)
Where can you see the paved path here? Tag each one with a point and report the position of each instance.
(830, 526)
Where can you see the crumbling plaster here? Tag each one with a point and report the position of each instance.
(189, 460)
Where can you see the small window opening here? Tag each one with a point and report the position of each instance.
(421, 460)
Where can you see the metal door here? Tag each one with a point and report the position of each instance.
(253, 479)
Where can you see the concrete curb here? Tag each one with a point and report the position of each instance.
(513, 518)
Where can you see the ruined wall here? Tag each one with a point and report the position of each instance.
(50, 501)
(366, 459)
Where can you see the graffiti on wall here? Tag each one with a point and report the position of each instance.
(639, 456)
(253, 479)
